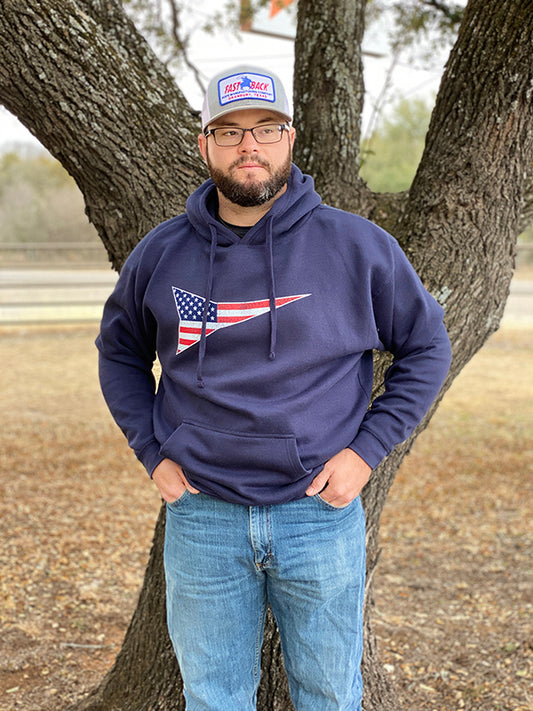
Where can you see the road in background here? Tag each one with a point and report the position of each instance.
(33, 296)
(55, 296)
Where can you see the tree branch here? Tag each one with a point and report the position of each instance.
(66, 73)
(181, 44)
(453, 13)
(465, 204)
(328, 97)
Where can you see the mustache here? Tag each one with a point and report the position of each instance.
(247, 159)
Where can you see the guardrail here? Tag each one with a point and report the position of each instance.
(31, 295)
(67, 255)
(45, 246)
(75, 292)
(29, 250)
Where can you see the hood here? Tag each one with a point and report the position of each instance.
(295, 203)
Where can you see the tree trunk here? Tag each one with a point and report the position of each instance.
(328, 99)
(85, 83)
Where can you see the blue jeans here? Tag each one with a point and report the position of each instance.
(225, 562)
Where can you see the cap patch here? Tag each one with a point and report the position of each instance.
(246, 86)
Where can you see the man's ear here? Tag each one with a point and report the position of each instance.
(292, 135)
(202, 145)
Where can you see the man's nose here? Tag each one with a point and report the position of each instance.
(248, 142)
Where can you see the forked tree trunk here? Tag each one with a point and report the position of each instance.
(79, 76)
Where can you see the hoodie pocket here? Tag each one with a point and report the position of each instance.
(230, 457)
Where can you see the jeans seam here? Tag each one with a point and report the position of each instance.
(259, 643)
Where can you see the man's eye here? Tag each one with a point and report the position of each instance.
(228, 132)
(268, 130)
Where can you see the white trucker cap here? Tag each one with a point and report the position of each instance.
(244, 87)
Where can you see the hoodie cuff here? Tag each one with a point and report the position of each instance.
(150, 457)
(369, 448)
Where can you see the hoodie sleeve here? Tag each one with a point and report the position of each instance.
(126, 346)
(410, 326)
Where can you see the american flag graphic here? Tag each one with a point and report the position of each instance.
(219, 315)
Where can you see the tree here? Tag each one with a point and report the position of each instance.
(81, 78)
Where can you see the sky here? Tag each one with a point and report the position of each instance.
(213, 53)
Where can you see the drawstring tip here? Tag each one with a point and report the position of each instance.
(200, 383)
(272, 355)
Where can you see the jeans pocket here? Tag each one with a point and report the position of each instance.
(179, 500)
(329, 506)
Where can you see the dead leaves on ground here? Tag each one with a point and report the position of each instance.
(453, 603)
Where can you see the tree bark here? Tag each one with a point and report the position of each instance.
(464, 209)
(460, 220)
(80, 77)
(84, 82)
(328, 99)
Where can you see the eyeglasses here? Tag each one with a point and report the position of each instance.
(232, 136)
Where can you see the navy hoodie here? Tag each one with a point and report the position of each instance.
(265, 344)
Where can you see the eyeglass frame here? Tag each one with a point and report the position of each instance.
(282, 126)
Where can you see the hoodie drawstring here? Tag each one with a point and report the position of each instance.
(272, 291)
(207, 303)
(209, 291)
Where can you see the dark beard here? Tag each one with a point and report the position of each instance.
(256, 193)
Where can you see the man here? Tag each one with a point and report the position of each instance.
(264, 307)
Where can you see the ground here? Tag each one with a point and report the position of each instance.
(453, 604)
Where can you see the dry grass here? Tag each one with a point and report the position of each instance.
(77, 519)
(454, 606)
(453, 603)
